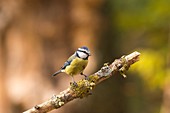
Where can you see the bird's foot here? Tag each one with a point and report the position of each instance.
(86, 77)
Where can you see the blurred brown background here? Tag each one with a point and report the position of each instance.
(37, 36)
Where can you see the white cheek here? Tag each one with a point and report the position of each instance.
(82, 55)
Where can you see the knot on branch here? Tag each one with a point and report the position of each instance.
(122, 65)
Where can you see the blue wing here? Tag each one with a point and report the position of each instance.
(68, 62)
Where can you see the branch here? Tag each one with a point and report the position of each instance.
(85, 86)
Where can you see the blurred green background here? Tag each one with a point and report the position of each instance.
(37, 36)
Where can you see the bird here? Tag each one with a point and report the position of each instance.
(76, 63)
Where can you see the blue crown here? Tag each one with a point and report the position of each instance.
(84, 47)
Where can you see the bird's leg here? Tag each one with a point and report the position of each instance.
(74, 83)
(86, 77)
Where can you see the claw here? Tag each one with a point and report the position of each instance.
(74, 84)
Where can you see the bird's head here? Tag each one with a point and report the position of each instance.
(83, 52)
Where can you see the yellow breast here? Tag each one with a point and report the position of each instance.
(76, 67)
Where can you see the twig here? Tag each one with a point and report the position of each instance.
(85, 86)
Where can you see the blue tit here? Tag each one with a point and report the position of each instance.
(76, 63)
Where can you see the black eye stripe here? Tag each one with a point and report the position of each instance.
(83, 52)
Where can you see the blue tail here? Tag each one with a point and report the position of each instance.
(56, 73)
